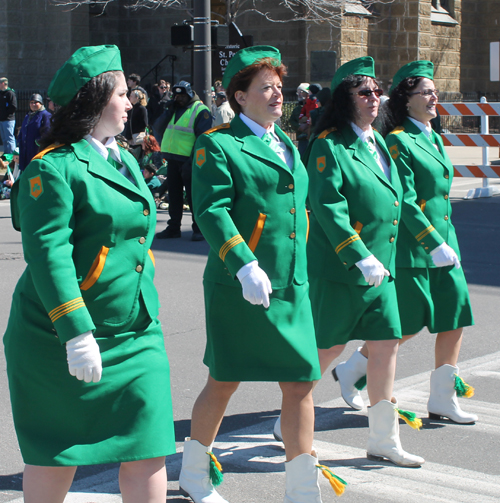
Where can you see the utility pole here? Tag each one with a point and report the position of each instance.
(202, 51)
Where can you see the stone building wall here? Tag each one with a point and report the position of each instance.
(480, 26)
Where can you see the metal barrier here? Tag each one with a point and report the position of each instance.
(484, 140)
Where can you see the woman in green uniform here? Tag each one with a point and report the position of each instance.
(249, 193)
(430, 283)
(355, 196)
(87, 367)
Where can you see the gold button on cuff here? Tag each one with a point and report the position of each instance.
(139, 268)
(422, 243)
(292, 211)
(446, 217)
(146, 212)
(447, 176)
(426, 247)
(395, 222)
(142, 240)
(446, 196)
(292, 235)
(291, 186)
(396, 203)
(391, 240)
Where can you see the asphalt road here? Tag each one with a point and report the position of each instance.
(462, 462)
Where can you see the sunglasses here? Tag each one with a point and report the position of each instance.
(366, 93)
(163, 87)
(427, 92)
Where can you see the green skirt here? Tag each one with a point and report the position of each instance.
(61, 421)
(343, 312)
(251, 343)
(436, 298)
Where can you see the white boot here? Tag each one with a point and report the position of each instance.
(347, 374)
(194, 479)
(302, 480)
(277, 430)
(383, 441)
(443, 398)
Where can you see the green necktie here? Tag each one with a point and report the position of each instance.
(371, 147)
(113, 162)
(268, 139)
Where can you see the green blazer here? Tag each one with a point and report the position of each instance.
(355, 209)
(426, 176)
(86, 234)
(249, 205)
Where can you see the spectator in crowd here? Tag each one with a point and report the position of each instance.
(184, 119)
(8, 107)
(300, 128)
(137, 118)
(223, 112)
(149, 174)
(151, 152)
(323, 97)
(160, 95)
(133, 82)
(35, 124)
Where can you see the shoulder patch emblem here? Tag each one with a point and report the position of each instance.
(36, 187)
(326, 132)
(206, 115)
(394, 152)
(397, 130)
(226, 125)
(200, 157)
(321, 163)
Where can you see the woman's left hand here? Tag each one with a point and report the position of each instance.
(255, 283)
(445, 255)
(84, 358)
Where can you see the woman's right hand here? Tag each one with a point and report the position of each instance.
(373, 271)
(445, 255)
(84, 358)
(255, 283)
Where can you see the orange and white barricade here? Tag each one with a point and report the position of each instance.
(484, 140)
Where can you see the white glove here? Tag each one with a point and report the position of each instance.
(255, 283)
(445, 255)
(373, 271)
(84, 358)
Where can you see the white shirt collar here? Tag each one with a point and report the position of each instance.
(363, 135)
(102, 149)
(257, 129)
(425, 129)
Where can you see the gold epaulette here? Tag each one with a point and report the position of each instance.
(226, 125)
(47, 150)
(397, 130)
(326, 132)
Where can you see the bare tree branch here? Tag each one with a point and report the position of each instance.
(284, 11)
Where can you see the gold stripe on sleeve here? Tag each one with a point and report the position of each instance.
(425, 232)
(230, 243)
(66, 308)
(347, 242)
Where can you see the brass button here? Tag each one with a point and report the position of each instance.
(345, 263)
(426, 247)
(146, 212)
(395, 222)
(142, 240)
(391, 240)
(396, 203)
(290, 186)
(292, 235)
(446, 217)
(447, 176)
(446, 196)
(422, 243)
(292, 211)
(139, 268)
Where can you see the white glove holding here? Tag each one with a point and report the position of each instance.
(84, 358)
(445, 255)
(373, 271)
(255, 283)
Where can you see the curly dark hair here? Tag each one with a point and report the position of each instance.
(398, 99)
(79, 117)
(340, 110)
(242, 80)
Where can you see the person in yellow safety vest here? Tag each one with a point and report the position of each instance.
(184, 119)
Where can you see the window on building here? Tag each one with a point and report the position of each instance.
(442, 12)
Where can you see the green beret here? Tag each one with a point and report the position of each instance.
(422, 68)
(249, 56)
(85, 64)
(360, 66)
